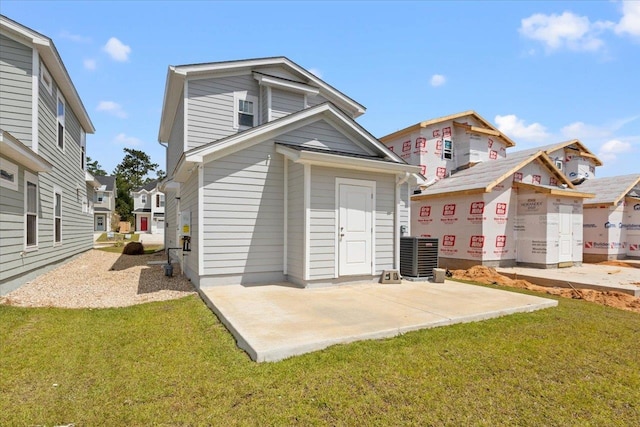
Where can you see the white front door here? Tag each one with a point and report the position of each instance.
(565, 252)
(355, 228)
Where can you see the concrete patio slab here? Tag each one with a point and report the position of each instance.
(600, 277)
(273, 322)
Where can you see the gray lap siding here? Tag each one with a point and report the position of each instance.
(16, 63)
(243, 210)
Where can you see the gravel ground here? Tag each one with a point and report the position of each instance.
(98, 279)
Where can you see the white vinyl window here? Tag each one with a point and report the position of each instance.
(83, 149)
(99, 196)
(31, 210)
(61, 110)
(159, 200)
(8, 175)
(245, 110)
(559, 164)
(143, 199)
(57, 216)
(47, 81)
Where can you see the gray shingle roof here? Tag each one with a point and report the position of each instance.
(610, 190)
(109, 181)
(148, 186)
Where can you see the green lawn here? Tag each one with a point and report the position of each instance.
(148, 249)
(173, 363)
(119, 237)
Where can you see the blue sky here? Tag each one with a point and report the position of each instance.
(542, 72)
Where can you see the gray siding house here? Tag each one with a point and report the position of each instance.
(104, 203)
(271, 179)
(45, 192)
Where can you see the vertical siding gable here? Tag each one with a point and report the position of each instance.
(16, 70)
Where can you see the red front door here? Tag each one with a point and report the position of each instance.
(143, 223)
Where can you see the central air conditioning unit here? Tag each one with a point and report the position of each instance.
(418, 257)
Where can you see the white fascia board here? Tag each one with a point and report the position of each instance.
(344, 162)
(255, 135)
(380, 146)
(90, 179)
(265, 80)
(172, 90)
(15, 150)
(218, 67)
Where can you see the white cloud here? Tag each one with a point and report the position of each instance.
(74, 37)
(516, 128)
(123, 139)
(564, 31)
(612, 148)
(90, 64)
(316, 72)
(630, 21)
(112, 108)
(580, 130)
(437, 80)
(117, 50)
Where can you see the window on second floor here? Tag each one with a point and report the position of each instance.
(159, 200)
(61, 121)
(447, 149)
(245, 114)
(83, 148)
(559, 164)
(143, 199)
(99, 197)
(47, 81)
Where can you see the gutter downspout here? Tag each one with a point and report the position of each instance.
(396, 252)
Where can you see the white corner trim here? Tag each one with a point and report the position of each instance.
(285, 251)
(185, 124)
(200, 202)
(35, 95)
(307, 220)
(269, 110)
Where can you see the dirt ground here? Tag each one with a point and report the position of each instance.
(490, 276)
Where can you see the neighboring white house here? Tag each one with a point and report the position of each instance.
(271, 179)
(45, 209)
(148, 208)
(104, 203)
(486, 206)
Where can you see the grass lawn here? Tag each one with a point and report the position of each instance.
(119, 237)
(173, 363)
(148, 249)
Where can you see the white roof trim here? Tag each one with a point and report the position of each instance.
(55, 66)
(90, 179)
(16, 150)
(277, 82)
(296, 120)
(177, 74)
(345, 162)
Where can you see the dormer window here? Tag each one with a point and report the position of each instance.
(245, 110)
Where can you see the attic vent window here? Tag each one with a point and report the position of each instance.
(559, 164)
(447, 151)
